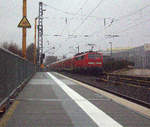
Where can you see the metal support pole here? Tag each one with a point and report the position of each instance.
(40, 34)
(35, 41)
(24, 30)
(78, 48)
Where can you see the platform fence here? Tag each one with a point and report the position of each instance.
(13, 71)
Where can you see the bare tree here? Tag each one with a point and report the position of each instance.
(12, 47)
(30, 55)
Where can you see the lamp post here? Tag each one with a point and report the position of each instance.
(111, 36)
(110, 48)
(78, 48)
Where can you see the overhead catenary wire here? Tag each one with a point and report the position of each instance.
(123, 17)
(95, 32)
(133, 26)
(128, 15)
(118, 19)
(128, 28)
(70, 13)
(133, 13)
(81, 7)
(87, 16)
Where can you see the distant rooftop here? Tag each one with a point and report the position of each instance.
(119, 49)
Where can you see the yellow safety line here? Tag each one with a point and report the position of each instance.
(8, 114)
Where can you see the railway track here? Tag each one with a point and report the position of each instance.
(128, 80)
(131, 88)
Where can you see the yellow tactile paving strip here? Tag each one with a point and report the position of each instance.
(8, 114)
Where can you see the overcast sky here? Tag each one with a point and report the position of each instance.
(130, 19)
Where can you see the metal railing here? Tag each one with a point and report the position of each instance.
(13, 71)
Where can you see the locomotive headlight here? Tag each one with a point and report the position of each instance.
(98, 63)
(90, 62)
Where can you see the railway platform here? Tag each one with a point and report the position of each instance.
(53, 100)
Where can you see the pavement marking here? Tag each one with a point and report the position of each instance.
(98, 116)
(8, 114)
(136, 107)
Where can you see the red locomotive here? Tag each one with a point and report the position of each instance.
(87, 62)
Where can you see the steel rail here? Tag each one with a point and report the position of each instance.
(139, 81)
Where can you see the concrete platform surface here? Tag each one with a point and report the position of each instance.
(51, 100)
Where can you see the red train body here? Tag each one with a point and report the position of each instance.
(88, 62)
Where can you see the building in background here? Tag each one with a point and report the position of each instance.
(140, 56)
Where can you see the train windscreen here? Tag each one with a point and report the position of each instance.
(94, 56)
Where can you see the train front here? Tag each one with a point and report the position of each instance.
(94, 62)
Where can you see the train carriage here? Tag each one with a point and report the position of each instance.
(81, 62)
